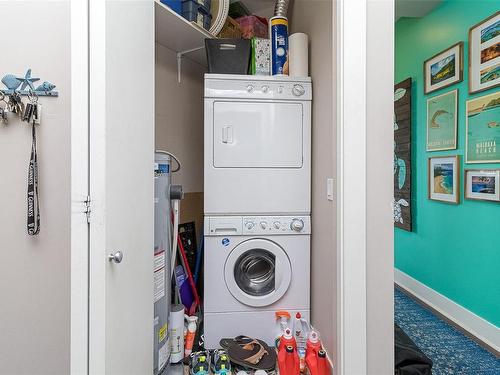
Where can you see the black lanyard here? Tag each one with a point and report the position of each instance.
(33, 208)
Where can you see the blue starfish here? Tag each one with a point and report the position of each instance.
(27, 81)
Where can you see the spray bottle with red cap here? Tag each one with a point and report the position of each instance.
(301, 330)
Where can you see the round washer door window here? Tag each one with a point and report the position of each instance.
(258, 272)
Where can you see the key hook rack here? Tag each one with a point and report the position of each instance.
(23, 85)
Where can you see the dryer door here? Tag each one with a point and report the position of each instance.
(258, 272)
(257, 135)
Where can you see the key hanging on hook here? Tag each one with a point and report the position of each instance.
(3, 111)
(15, 104)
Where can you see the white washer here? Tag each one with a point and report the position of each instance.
(257, 145)
(254, 266)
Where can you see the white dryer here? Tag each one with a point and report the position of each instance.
(257, 145)
(254, 267)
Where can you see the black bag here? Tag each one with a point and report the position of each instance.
(409, 359)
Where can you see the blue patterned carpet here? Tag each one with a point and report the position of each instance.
(452, 352)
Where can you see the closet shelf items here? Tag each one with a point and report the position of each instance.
(179, 35)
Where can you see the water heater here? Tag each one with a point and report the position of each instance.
(162, 254)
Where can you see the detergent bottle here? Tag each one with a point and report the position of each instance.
(313, 346)
(282, 322)
(323, 366)
(300, 331)
(287, 340)
(288, 361)
(191, 332)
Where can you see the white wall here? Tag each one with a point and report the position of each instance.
(379, 188)
(323, 249)
(35, 271)
(179, 115)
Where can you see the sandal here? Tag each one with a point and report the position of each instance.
(250, 353)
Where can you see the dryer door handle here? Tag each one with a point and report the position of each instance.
(227, 134)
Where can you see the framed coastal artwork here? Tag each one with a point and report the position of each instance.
(483, 129)
(444, 69)
(482, 184)
(402, 155)
(484, 54)
(444, 179)
(442, 122)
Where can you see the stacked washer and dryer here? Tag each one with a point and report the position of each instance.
(257, 203)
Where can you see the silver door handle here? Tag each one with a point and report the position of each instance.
(116, 257)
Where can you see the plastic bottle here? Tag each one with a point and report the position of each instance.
(313, 344)
(191, 332)
(323, 366)
(287, 340)
(282, 322)
(300, 330)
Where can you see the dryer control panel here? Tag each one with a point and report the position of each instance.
(258, 87)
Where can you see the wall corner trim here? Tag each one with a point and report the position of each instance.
(473, 324)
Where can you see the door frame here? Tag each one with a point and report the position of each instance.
(365, 239)
(79, 359)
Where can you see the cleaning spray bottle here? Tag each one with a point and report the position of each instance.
(191, 332)
(300, 331)
(282, 323)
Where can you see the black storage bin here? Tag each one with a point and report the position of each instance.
(228, 56)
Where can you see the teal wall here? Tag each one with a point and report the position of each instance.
(453, 249)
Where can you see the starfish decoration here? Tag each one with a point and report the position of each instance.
(27, 80)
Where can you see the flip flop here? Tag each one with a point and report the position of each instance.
(250, 353)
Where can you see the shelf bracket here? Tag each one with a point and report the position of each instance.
(179, 60)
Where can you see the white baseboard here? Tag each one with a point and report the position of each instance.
(467, 320)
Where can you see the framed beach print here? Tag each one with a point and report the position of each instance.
(483, 129)
(442, 122)
(482, 184)
(444, 69)
(484, 54)
(444, 179)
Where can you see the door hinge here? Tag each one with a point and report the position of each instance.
(88, 209)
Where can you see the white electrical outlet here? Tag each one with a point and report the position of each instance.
(329, 189)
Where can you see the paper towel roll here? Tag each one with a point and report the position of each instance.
(177, 333)
(298, 52)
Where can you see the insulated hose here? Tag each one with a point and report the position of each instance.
(281, 8)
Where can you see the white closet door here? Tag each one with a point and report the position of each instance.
(121, 185)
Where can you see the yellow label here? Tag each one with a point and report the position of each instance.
(162, 333)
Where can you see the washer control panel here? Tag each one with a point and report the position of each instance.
(270, 225)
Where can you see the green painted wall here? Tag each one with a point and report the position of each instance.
(454, 250)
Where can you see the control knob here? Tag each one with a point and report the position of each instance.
(263, 224)
(250, 225)
(298, 90)
(277, 224)
(297, 225)
(250, 88)
(265, 88)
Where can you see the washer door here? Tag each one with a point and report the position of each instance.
(258, 272)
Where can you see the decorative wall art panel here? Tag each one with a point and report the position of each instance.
(402, 155)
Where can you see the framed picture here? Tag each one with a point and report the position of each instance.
(442, 122)
(444, 69)
(484, 54)
(444, 179)
(482, 184)
(483, 129)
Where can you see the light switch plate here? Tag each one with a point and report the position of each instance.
(329, 189)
